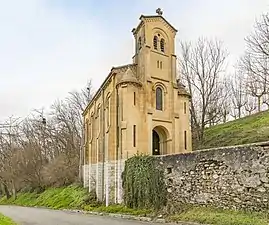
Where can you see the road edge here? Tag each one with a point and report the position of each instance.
(132, 217)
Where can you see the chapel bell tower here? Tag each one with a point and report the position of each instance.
(155, 47)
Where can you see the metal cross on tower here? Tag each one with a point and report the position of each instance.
(159, 11)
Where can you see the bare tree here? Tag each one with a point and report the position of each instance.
(255, 61)
(219, 107)
(225, 101)
(238, 94)
(81, 99)
(250, 105)
(68, 115)
(257, 87)
(40, 150)
(9, 134)
(201, 65)
(265, 100)
(258, 41)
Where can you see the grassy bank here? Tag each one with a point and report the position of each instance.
(5, 220)
(220, 217)
(74, 197)
(254, 128)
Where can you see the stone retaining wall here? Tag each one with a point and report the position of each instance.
(231, 177)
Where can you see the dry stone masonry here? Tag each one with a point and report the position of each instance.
(231, 177)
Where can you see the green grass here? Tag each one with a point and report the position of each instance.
(220, 217)
(72, 197)
(250, 129)
(5, 220)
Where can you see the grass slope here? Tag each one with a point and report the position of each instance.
(254, 128)
(71, 197)
(74, 197)
(6, 221)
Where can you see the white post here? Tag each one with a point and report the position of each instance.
(106, 170)
(89, 176)
(107, 182)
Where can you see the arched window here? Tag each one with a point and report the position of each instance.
(155, 42)
(162, 45)
(139, 43)
(159, 98)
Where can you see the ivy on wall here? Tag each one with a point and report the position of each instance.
(143, 183)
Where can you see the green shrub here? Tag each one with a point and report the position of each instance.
(143, 183)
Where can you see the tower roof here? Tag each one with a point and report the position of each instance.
(158, 16)
(129, 77)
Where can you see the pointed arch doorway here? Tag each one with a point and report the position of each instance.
(159, 140)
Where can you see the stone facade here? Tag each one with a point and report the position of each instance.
(140, 107)
(231, 177)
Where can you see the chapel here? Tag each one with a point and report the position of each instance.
(141, 107)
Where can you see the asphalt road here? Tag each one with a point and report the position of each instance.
(37, 216)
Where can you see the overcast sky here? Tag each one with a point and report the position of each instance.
(51, 47)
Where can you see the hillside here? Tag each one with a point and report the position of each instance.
(254, 128)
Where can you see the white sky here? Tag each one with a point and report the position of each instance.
(51, 47)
